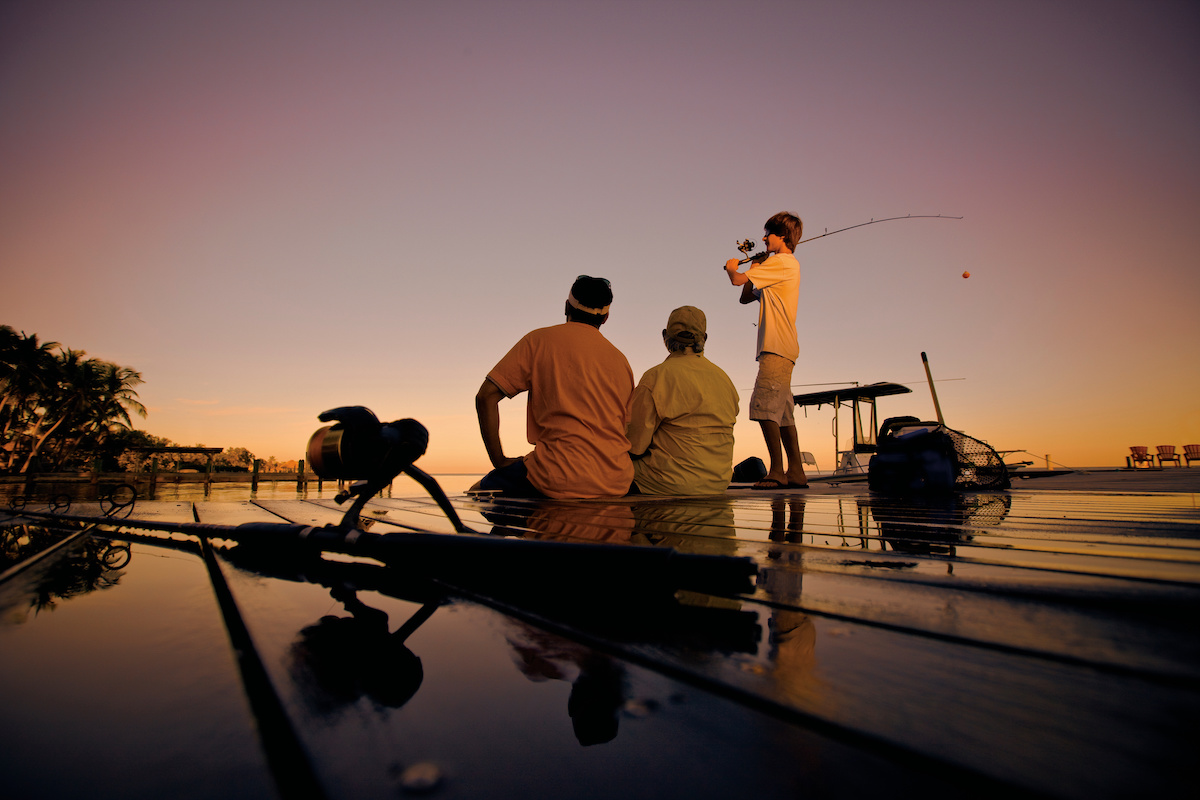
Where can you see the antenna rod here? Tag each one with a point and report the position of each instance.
(932, 391)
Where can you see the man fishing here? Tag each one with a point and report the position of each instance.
(775, 284)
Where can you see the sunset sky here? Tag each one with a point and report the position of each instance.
(273, 208)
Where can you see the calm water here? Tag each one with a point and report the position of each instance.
(403, 486)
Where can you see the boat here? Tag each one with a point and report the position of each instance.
(867, 429)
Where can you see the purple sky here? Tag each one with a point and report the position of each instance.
(273, 208)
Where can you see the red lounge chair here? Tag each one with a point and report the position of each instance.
(1166, 452)
(1138, 455)
(1191, 452)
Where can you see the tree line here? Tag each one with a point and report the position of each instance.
(60, 410)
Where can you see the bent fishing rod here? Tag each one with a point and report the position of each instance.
(747, 245)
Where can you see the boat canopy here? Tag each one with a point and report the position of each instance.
(850, 393)
(864, 437)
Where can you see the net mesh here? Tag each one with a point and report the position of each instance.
(978, 465)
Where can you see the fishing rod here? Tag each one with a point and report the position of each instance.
(358, 447)
(873, 221)
(746, 245)
(474, 558)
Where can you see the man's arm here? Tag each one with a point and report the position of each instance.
(643, 422)
(740, 279)
(487, 408)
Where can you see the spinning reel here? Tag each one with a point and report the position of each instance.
(358, 447)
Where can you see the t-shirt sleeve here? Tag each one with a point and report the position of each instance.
(768, 273)
(513, 374)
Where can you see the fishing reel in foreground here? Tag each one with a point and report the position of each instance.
(358, 447)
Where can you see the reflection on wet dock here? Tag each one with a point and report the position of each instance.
(1025, 641)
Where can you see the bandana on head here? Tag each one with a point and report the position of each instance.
(599, 312)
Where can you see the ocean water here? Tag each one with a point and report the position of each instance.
(403, 486)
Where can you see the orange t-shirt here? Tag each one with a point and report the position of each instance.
(579, 387)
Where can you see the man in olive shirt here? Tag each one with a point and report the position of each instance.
(681, 428)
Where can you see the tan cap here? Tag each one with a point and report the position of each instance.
(686, 325)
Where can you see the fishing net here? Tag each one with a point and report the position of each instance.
(979, 466)
(928, 457)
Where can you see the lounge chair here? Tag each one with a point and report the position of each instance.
(1138, 455)
(1191, 452)
(1166, 452)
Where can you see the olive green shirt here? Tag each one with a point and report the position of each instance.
(682, 419)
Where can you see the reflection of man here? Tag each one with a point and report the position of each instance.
(681, 428)
(610, 523)
(701, 524)
(579, 387)
(793, 634)
(597, 682)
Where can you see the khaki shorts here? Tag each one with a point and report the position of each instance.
(772, 399)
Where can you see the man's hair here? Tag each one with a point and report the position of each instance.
(786, 226)
(590, 293)
(678, 345)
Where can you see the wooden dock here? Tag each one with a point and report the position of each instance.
(1039, 641)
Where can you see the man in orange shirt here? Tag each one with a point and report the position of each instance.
(580, 387)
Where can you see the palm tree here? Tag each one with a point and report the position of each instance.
(58, 405)
(106, 404)
(27, 374)
(76, 381)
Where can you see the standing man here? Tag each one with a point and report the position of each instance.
(579, 388)
(775, 284)
(681, 431)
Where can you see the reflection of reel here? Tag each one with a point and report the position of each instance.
(60, 502)
(118, 502)
(17, 502)
(116, 556)
(340, 659)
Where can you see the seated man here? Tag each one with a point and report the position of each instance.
(681, 432)
(579, 388)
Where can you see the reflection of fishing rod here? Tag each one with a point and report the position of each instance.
(746, 245)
